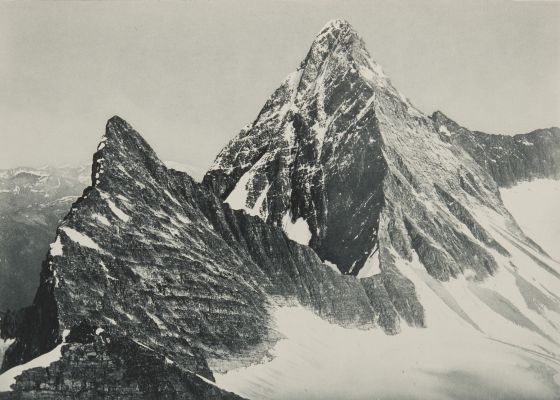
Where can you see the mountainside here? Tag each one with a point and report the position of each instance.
(149, 255)
(344, 162)
(32, 203)
(341, 160)
(508, 159)
(341, 209)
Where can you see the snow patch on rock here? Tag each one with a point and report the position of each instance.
(56, 247)
(80, 238)
(332, 266)
(443, 129)
(114, 209)
(102, 219)
(8, 378)
(371, 266)
(298, 230)
(237, 199)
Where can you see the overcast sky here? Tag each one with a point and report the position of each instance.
(189, 75)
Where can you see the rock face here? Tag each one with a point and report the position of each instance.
(33, 201)
(151, 258)
(343, 162)
(508, 159)
(338, 150)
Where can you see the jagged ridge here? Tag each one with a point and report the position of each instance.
(508, 159)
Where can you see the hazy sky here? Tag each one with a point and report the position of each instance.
(189, 75)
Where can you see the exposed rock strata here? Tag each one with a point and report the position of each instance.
(508, 159)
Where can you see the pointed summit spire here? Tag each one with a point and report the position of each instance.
(337, 34)
(336, 26)
(122, 153)
(338, 50)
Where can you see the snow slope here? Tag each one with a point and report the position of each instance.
(535, 206)
(319, 360)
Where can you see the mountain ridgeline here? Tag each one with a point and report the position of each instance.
(508, 159)
(155, 281)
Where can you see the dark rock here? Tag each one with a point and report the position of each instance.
(152, 279)
(113, 367)
(508, 159)
(150, 255)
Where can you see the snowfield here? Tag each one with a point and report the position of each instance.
(319, 360)
(535, 206)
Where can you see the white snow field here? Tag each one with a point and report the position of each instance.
(535, 205)
(495, 339)
(319, 360)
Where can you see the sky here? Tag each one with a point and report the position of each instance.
(189, 75)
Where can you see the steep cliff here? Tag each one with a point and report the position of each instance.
(341, 160)
(337, 151)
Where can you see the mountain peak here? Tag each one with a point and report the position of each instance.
(117, 124)
(336, 25)
(122, 153)
(121, 136)
(338, 50)
(336, 34)
(117, 127)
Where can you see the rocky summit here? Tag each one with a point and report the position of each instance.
(341, 198)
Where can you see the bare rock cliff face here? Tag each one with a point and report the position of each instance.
(342, 161)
